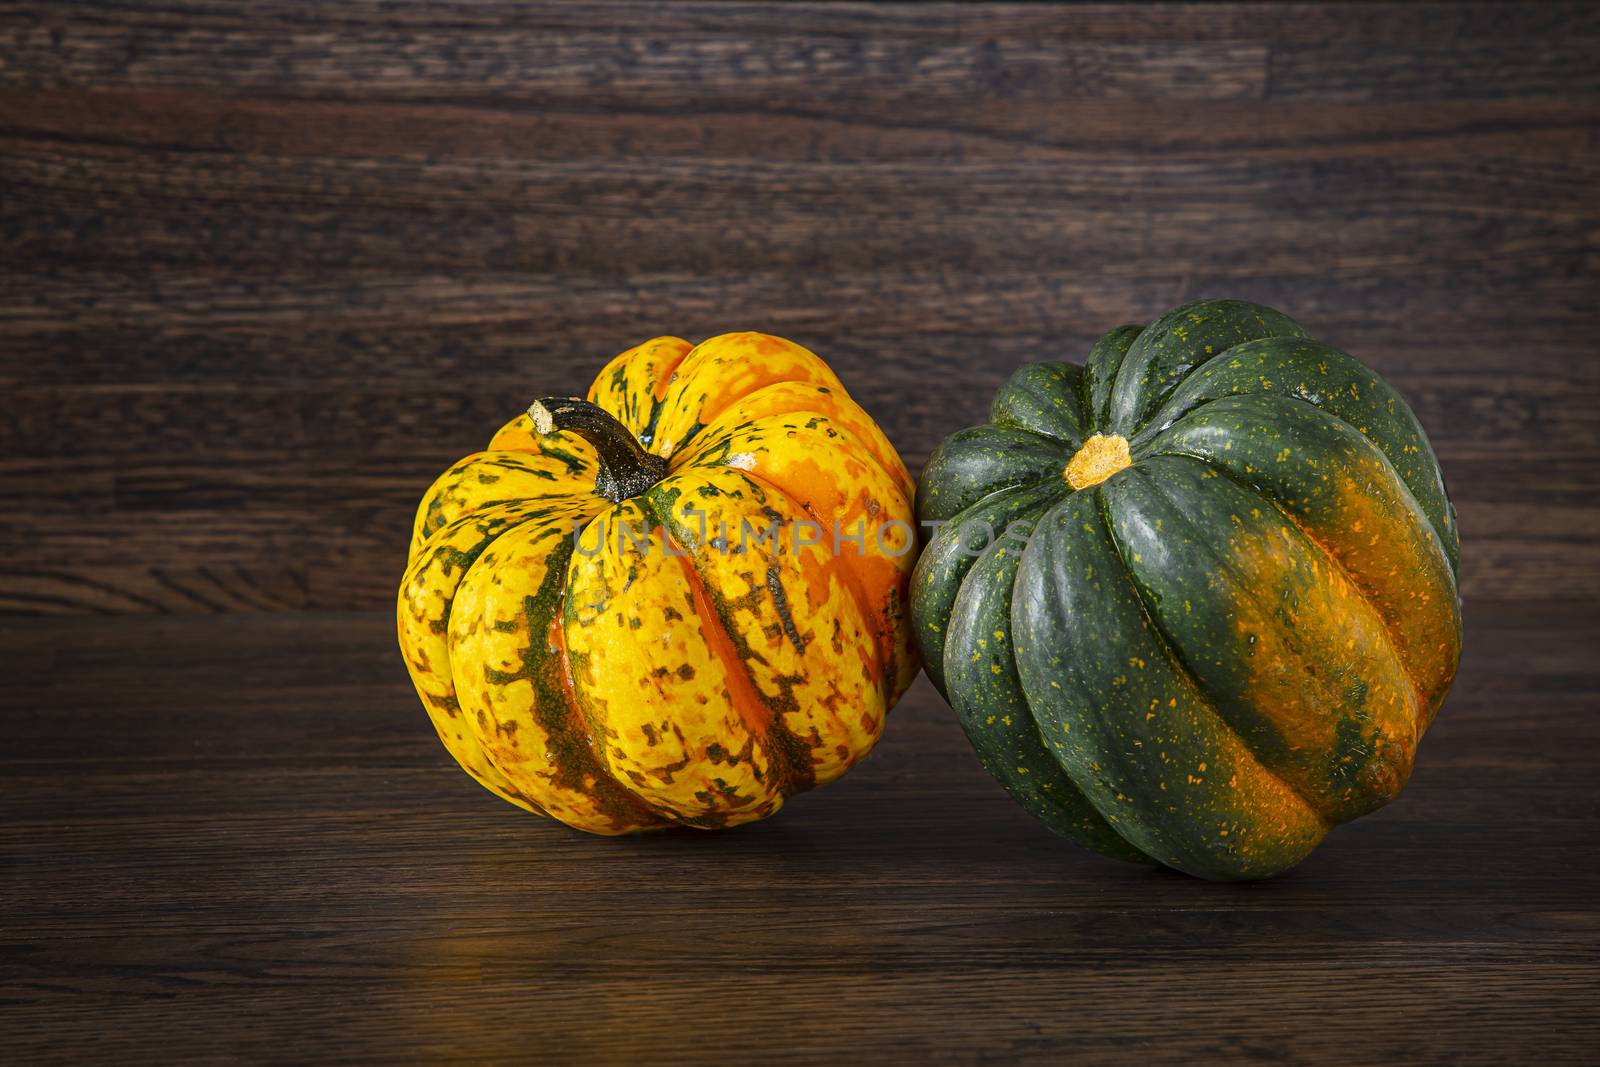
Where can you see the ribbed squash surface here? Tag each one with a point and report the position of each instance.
(1194, 601)
(668, 671)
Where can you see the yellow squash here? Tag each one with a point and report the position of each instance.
(678, 602)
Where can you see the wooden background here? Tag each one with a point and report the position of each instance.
(266, 268)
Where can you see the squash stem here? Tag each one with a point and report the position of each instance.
(626, 469)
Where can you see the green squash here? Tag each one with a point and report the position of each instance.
(1194, 602)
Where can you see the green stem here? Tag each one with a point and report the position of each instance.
(626, 469)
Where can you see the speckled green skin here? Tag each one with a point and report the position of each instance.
(1226, 648)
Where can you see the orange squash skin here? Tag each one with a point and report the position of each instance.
(691, 655)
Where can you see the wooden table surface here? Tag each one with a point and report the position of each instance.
(266, 268)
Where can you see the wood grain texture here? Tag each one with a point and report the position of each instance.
(269, 267)
(243, 833)
(266, 268)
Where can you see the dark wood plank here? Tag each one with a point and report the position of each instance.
(1377, 23)
(401, 322)
(244, 831)
(711, 52)
(1398, 218)
(66, 120)
(1425, 69)
(600, 65)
